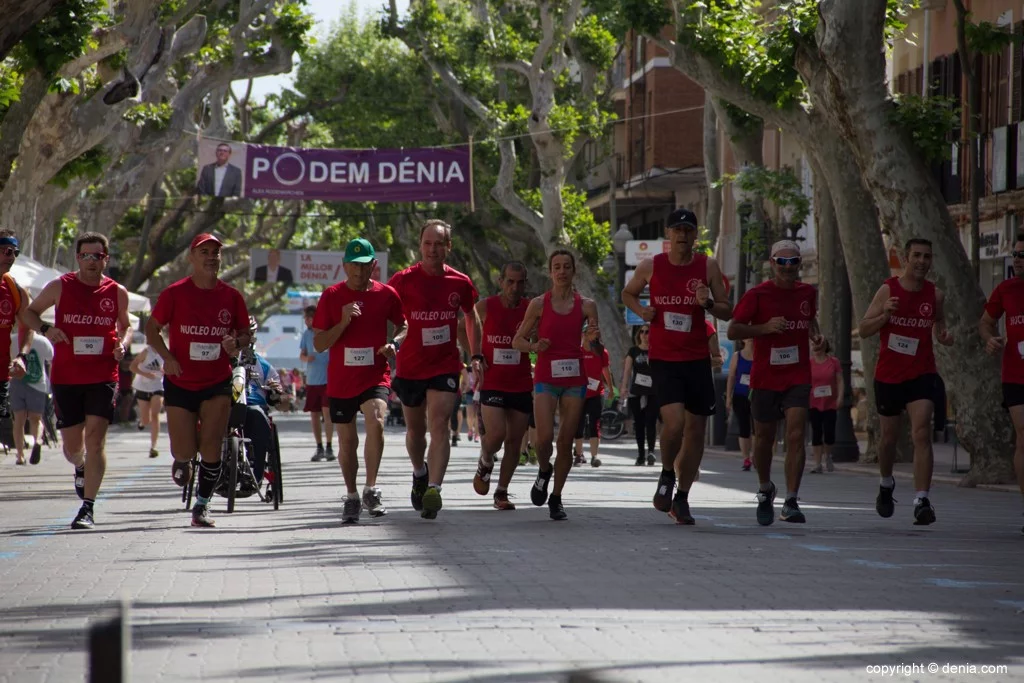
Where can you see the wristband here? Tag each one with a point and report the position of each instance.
(44, 328)
(477, 356)
(395, 344)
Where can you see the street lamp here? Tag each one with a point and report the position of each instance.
(619, 241)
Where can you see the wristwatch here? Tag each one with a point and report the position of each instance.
(44, 328)
(395, 344)
(709, 304)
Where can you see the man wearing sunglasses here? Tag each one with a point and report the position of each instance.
(685, 286)
(1008, 298)
(905, 312)
(13, 303)
(780, 315)
(89, 340)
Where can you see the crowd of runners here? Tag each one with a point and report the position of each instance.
(536, 364)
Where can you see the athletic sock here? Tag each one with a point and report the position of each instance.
(887, 482)
(922, 494)
(671, 473)
(209, 473)
(435, 486)
(88, 502)
(353, 495)
(501, 489)
(487, 458)
(791, 495)
(419, 471)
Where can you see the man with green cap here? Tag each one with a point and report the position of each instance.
(351, 322)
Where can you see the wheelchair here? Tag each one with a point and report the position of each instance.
(236, 476)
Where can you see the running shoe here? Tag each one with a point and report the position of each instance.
(37, 452)
(201, 516)
(320, 455)
(650, 458)
(373, 504)
(766, 506)
(816, 470)
(555, 509)
(595, 461)
(639, 461)
(829, 465)
(482, 478)
(924, 513)
(532, 453)
(539, 491)
(350, 512)
(578, 459)
(663, 495)
(83, 520)
(681, 510)
(523, 458)
(181, 472)
(154, 453)
(431, 503)
(746, 464)
(884, 503)
(501, 501)
(419, 487)
(80, 481)
(791, 512)
(455, 440)
(329, 453)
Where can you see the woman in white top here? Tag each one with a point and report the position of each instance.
(148, 371)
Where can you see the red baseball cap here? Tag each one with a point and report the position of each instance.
(203, 238)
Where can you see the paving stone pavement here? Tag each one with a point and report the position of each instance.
(618, 591)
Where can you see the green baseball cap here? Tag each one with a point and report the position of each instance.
(359, 251)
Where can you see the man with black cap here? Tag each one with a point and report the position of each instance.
(684, 286)
(351, 323)
(780, 315)
(208, 322)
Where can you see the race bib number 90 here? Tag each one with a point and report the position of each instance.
(436, 336)
(88, 346)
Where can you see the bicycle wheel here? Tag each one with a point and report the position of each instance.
(278, 481)
(232, 458)
(612, 424)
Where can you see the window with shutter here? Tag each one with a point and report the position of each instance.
(1015, 95)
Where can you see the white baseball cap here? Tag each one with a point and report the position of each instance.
(785, 245)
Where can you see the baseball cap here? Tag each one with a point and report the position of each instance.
(203, 238)
(784, 245)
(681, 217)
(359, 251)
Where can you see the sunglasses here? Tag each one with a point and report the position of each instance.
(92, 256)
(10, 251)
(1014, 254)
(645, 331)
(787, 260)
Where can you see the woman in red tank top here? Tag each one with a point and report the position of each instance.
(560, 382)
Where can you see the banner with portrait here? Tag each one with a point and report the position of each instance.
(305, 267)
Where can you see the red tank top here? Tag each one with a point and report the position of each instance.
(906, 350)
(678, 331)
(507, 369)
(562, 364)
(88, 316)
(8, 315)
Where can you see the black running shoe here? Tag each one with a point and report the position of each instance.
(80, 482)
(419, 487)
(681, 510)
(37, 452)
(329, 453)
(83, 520)
(201, 516)
(555, 508)
(663, 496)
(539, 491)
(181, 472)
(639, 460)
(766, 506)
(924, 513)
(885, 503)
(791, 512)
(350, 513)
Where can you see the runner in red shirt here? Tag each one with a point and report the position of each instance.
(13, 304)
(1008, 298)
(780, 316)
(351, 322)
(684, 287)
(208, 323)
(89, 340)
(555, 319)
(906, 311)
(506, 393)
(599, 376)
(429, 365)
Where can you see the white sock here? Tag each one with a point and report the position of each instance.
(888, 482)
(436, 486)
(419, 471)
(487, 458)
(922, 494)
(367, 489)
(352, 495)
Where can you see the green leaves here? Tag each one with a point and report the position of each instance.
(89, 165)
(929, 122)
(61, 36)
(591, 239)
(159, 115)
(596, 45)
(782, 188)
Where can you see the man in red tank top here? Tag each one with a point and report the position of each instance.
(506, 392)
(208, 323)
(684, 286)
(780, 315)
(89, 339)
(560, 381)
(13, 304)
(429, 365)
(1008, 298)
(351, 323)
(906, 312)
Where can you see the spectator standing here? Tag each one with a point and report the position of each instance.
(316, 390)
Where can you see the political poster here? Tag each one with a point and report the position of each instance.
(305, 267)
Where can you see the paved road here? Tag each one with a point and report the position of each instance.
(478, 594)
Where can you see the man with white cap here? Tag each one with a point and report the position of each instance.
(780, 315)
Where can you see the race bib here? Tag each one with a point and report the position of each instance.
(823, 391)
(359, 357)
(435, 336)
(677, 322)
(905, 345)
(786, 355)
(593, 384)
(745, 379)
(569, 367)
(643, 380)
(204, 351)
(88, 346)
(507, 357)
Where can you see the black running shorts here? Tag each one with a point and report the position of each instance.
(343, 410)
(688, 382)
(771, 406)
(892, 399)
(590, 419)
(413, 392)
(1013, 395)
(521, 401)
(191, 399)
(72, 402)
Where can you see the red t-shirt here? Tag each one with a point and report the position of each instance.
(1008, 298)
(87, 314)
(824, 387)
(678, 325)
(594, 366)
(353, 364)
(781, 360)
(197, 320)
(507, 369)
(8, 319)
(431, 306)
(906, 350)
